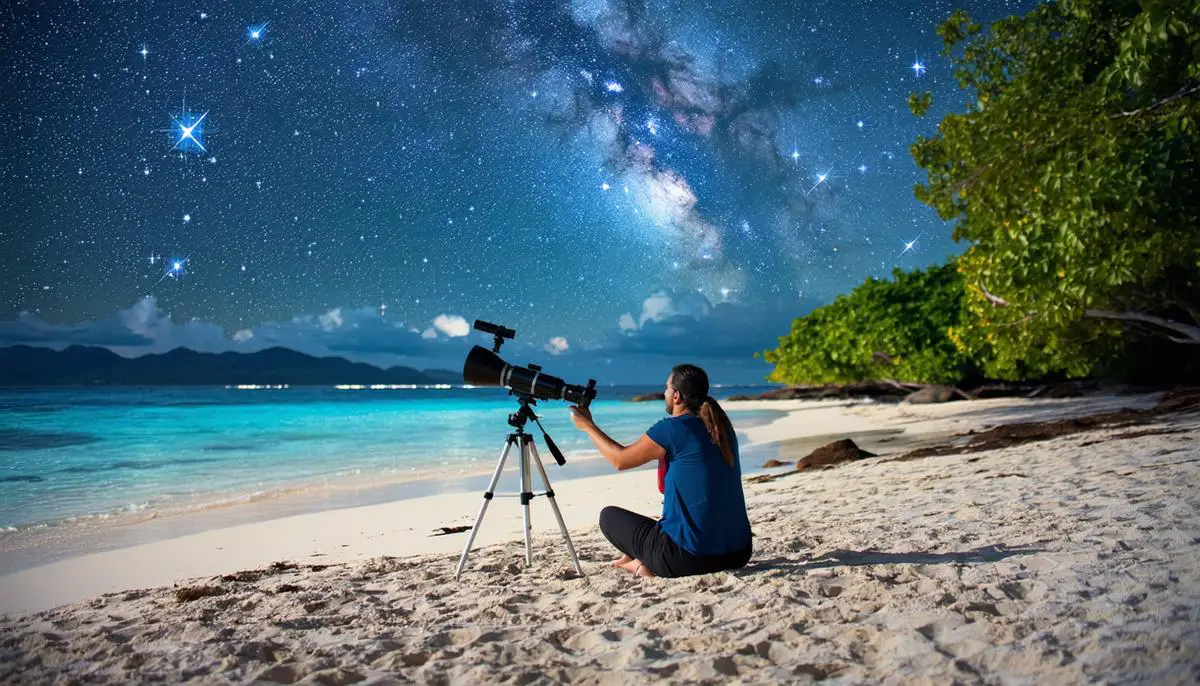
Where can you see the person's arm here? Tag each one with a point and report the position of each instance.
(620, 456)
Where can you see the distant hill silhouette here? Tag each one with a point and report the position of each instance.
(23, 365)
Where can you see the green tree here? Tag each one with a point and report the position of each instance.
(882, 329)
(1072, 174)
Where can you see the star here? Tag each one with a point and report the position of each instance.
(821, 178)
(143, 52)
(918, 68)
(175, 270)
(189, 130)
(187, 218)
(254, 34)
(909, 245)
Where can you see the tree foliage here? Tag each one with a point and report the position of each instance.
(882, 329)
(1072, 175)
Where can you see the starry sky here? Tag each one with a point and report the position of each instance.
(627, 184)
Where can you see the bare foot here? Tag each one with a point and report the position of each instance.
(631, 566)
(621, 561)
(643, 570)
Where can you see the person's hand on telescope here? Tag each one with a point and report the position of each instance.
(582, 418)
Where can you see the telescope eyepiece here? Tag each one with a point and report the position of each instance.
(494, 329)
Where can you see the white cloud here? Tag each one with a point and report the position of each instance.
(662, 305)
(557, 345)
(243, 335)
(654, 308)
(429, 334)
(452, 325)
(331, 319)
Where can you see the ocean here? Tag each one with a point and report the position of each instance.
(86, 457)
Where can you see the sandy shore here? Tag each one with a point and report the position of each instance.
(1067, 560)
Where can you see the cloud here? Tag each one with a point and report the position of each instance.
(331, 319)
(361, 334)
(29, 329)
(556, 346)
(663, 304)
(452, 325)
(141, 328)
(686, 325)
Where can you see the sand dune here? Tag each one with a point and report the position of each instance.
(1063, 561)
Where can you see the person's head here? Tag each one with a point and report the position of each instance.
(687, 392)
(687, 387)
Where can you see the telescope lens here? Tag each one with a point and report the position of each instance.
(483, 367)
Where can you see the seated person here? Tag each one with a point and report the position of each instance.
(704, 527)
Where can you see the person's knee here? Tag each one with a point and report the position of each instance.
(607, 515)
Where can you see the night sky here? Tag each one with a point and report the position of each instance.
(627, 184)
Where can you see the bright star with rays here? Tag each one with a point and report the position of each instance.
(176, 268)
(918, 68)
(255, 33)
(187, 131)
(910, 245)
(821, 178)
(189, 134)
(143, 52)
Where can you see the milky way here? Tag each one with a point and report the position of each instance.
(587, 172)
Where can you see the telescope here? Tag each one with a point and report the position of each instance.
(485, 367)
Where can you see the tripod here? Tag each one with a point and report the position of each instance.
(529, 457)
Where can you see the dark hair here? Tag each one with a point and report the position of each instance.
(692, 384)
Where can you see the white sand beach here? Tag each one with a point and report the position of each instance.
(1067, 560)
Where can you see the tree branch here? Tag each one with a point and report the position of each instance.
(1181, 93)
(993, 299)
(1192, 333)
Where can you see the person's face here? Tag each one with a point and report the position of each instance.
(671, 397)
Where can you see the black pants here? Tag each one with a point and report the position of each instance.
(641, 538)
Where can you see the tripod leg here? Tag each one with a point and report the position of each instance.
(487, 498)
(527, 495)
(537, 460)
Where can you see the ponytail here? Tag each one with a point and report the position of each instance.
(720, 430)
(692, 384)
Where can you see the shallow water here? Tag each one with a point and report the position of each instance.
(78, 456)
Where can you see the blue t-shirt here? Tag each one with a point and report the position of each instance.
(704, 509)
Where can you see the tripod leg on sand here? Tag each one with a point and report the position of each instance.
(537, 460)
(527, 495)
(487, 498)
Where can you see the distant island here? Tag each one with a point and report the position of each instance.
(23, 365)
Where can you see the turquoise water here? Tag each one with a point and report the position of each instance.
(74, 455)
